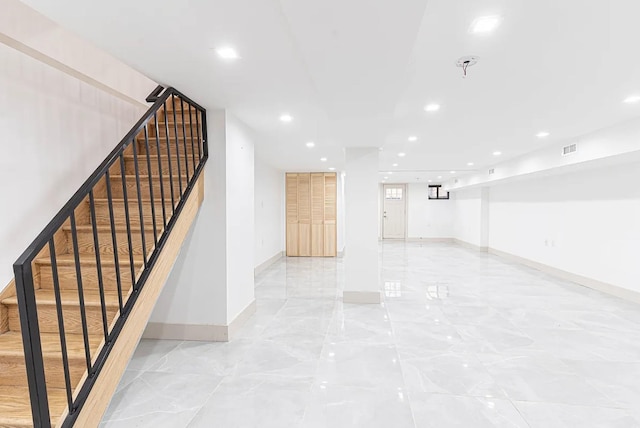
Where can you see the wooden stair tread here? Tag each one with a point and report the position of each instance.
(70, 298)
(11, 344)
(119, 228)
(15, 406)
(85, 259)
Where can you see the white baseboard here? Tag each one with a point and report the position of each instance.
(265, 265)
(431, 240)
(363, 297)
(199, 332)
(614, 290)
(470, 245)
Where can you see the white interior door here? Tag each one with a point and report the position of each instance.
(393, 214)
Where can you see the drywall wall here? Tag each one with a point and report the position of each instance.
(27, 30)
(212, 280)
(471, 216)
(269, 212)
(428, 218)
(240, 216)
(586, 223)
(56, 130)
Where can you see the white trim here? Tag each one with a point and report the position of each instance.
(199, 332)
(604, 287)
(432, 240)
(241, 319)
(470, 245)
(267, 263)
(362, 297)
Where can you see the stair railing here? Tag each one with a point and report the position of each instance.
(175, 106)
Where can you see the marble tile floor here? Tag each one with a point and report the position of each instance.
(463, 339)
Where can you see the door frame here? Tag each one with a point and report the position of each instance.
(405, 187)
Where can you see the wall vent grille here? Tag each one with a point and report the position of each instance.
(567, 150)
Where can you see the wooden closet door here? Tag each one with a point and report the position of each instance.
(292, 215)
(317, 214)
(330, 214)
(304, 215)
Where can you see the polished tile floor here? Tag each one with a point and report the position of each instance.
(463, 339)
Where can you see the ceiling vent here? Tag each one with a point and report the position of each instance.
(567, 150)
(492, 171)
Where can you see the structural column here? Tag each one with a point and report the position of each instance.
(361, 226)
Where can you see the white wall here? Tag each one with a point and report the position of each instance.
(361, 199)
(240, 216)
(428, 218)
(56, 130)
(212, 279)
(586, 223)
(269, 212)
(470, 217)
(41, 38)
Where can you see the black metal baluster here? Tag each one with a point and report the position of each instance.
(34, 361)
(153, 205)
(96, 246)
(184, 141)
(135, 165)
(63, 337)
(83, 313)
(166, 130)
(193, 149)
(114, 240)
(198, 131)
(164, 209)
(126, 214)
(205, 136)
(175, 125)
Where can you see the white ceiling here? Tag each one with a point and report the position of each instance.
(359, 72)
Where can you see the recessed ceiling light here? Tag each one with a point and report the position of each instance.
(452, 172)
(395, 164)
(543, 134)
(331, 168)
(286, 117)
(431, 108)
(497, 153)
(430, 181)
(412, 138)
(470, 164)
(485, 24)
(390, 172)
(311, 144)
(439, 176)
(227, 53)
(386, 178)
(323, 159)
(402, 154)
(632, 99)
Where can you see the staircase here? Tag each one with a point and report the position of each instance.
(84, 290)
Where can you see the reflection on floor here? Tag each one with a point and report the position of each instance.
(463, 339)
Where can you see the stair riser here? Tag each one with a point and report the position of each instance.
(13, 371)
(102, 212)
(48, 319)
(86, 243)
(67, 276)
(130, 168)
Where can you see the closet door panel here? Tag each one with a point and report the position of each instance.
(304, 215)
